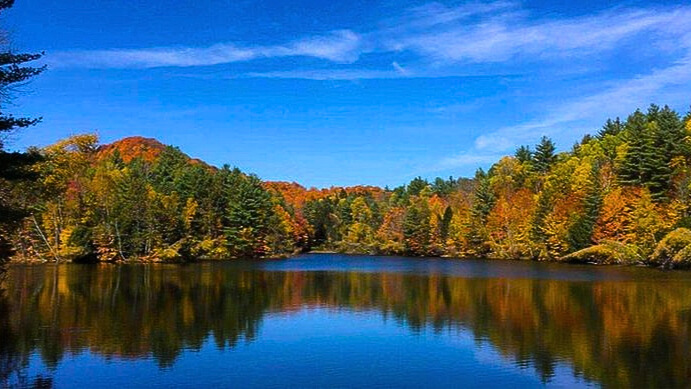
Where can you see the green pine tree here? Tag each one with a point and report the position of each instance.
(416, 186)
(13, 166)
(654, 140)
(248, 214)
(416, 228)
(581, 232)
(483, 202)
(544, 156)
(524, 154)
(445, 223)
(611, 127)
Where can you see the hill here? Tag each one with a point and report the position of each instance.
(133, 147)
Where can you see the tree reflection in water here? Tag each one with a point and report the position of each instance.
(615, 333)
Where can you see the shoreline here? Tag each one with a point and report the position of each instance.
(333, 252)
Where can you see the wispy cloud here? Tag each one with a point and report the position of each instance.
(636, 92)
(326, 74)
(497, 37)
(336, 74)
(342, 46)
(511, 38)
(467, 159)
(493, 32)
(399, 69)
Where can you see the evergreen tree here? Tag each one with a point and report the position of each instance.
(483, 202)
(663, 136)
(544, 207)
(654, 140)
(654, 167)
(13, 165)
(445, 223)
(586, 139)
(442, 187)
(580, 234)
(524, 154)
(317, 214)
(630, 172)
(544, 156)
(399, 196)
(168, 168)
(416, 186)
(132, 211)
(611, 127)
(248, 214)
(416, 228)
(13, 73)
(483, 199)
(672, 132)
(685, 145)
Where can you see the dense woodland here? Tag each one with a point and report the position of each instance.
(619, 196)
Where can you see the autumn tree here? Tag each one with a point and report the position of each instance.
(389, 236)
(360, 234)
(137, 199)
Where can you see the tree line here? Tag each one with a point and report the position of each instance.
(621, 195)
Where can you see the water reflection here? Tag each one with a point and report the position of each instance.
(632, 332)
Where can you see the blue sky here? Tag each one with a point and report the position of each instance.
(348, 92)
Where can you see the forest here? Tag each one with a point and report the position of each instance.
(621, 196)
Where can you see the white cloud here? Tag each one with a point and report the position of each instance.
(473, 32)
(495, 41)
(441, 41)
(617, 100)
(435, 14)
(468, 159)
(399, 69)
(154, 57)
(342, 46)
(501, 36)
(326, 74)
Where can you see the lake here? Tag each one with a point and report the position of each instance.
(328, 320)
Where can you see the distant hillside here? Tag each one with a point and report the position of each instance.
(148, 149)
(296, 194)
(133, 147)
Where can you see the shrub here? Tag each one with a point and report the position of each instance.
(608, 252)
(671, 245)
(682, 259)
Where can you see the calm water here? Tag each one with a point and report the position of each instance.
(345, 321)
